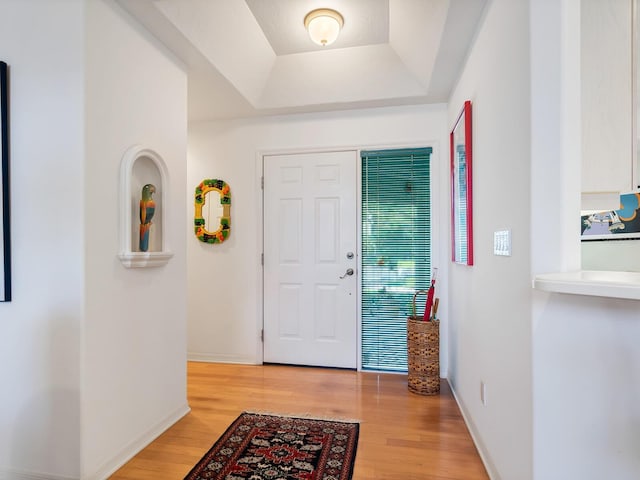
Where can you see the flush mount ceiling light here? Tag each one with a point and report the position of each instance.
(323, 25)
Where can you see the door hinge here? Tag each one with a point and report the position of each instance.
(262, 335)
(262, 259)
(262, 183)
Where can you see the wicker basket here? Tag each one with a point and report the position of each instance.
(423, 355)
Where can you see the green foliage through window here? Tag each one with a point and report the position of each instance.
(396, 261)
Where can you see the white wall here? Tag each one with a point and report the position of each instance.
(620, 255)
(225, 316)
(92, 356)
(587, 401)
(134, 349)
(40, 329)
(586, 363)
(490, 302)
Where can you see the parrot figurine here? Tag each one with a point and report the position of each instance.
(147, 209)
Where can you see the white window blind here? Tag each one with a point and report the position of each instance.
(396, 224)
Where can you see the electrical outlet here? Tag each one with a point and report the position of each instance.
(483, 393)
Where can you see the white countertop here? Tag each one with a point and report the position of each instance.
(591, 282)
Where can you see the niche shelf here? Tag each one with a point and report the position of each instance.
(141, 166)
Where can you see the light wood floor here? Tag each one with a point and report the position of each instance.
(403, 436)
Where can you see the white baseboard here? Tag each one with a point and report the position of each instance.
(8, 474)
(482, 451)
(136, 445)
(221, 358)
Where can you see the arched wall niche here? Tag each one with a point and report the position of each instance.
(141, 166)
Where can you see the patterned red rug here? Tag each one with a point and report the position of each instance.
(271, 447)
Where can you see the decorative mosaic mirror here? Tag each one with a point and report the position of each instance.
(213, 211)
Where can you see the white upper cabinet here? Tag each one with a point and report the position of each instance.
(607, 92)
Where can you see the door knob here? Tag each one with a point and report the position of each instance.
(347, 273)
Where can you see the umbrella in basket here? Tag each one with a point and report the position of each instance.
(430, 294)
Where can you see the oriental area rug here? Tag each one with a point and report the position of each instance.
(271, 447)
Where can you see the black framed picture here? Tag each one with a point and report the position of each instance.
(5, 237)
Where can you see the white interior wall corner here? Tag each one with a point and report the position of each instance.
(134, 337)
(489, 321)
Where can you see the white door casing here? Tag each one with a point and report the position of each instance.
(310, 240)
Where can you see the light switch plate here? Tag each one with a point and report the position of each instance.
(502, 243)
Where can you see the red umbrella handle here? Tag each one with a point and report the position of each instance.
(429, 305)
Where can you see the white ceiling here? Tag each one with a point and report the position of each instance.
(282, 23)
(253, 57)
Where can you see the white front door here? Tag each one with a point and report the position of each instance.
(309, 244)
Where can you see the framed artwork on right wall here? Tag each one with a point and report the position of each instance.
(461, 191)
